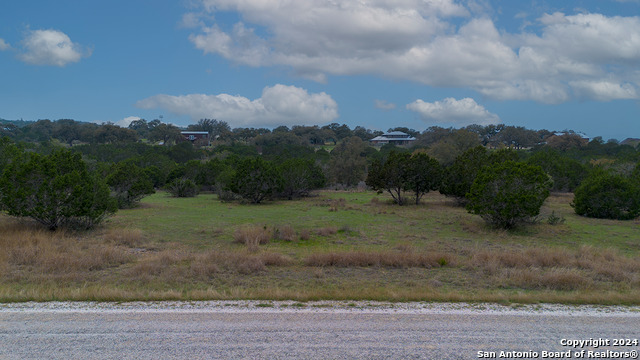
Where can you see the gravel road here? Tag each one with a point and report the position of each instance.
(321, 330)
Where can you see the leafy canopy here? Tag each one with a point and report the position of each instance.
(508, 193)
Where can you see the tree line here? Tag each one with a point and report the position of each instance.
(253, 165)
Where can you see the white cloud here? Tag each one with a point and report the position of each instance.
(279, 105)
(50, 47)
(384, 105)
(419, 41)
(126, 121)
(603, 90)
(451, 111)
(4, 45)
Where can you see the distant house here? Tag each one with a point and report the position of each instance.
(199, 137)
(394, 137)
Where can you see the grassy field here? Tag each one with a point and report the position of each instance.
(337, 245)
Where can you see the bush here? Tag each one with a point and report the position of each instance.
(299, 177)
(554, 219)
(567, 173)
(255, 179)
(459, 177)
(129, 183)
(508, 193)
(55, 190)
(182, 188)
(608, 196)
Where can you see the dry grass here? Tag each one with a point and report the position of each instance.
(305, 234)
(182, 266)
(327, 231)
(434, 252)
(379, 259)
(557, 269)
(285, 232)
(127, 237)
(156, 265)
(337, 204)
(36, 254)
(252, 236)
(552, 279)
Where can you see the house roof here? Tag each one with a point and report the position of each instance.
(194, 132)
(384, 138)
(395, 133)
(559, 133)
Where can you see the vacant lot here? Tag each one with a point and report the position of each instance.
(337, 245)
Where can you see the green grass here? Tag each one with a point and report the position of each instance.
(183, 248)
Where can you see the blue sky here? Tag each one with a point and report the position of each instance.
(262, 63)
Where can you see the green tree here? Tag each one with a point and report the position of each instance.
(299, 177)
(459, 177)
(390, 175)
(347, 164)
(517, 137)
(129, 183)
(447, 149)
(109, 134)
(9, 152)
(508, 193)
(567, 173)
(423, 174)
(608, 196)
(401, 172)
(166, 133)
(255, 179)
(55, 190)
(218, 130)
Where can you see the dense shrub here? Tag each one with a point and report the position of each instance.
(182, 188)
(299, 177)
(566, 173)
(348, 162)
(508, 193)
(609, 196)
(255, 179)
(129, 183)
(55, 190)
(460, 175)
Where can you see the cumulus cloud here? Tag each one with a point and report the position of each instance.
(384, 105)
(451, 111)
(126, 121)
(4, 45)
(50, 47)
(278, 105)
(437, 43)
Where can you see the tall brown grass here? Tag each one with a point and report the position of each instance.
(183, 266)
(29, 252)
(124, 236)
(379, 259)
(327, 231)
(285, 232)
(557, 269)
(252, 236)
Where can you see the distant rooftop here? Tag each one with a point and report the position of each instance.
(395, 133)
